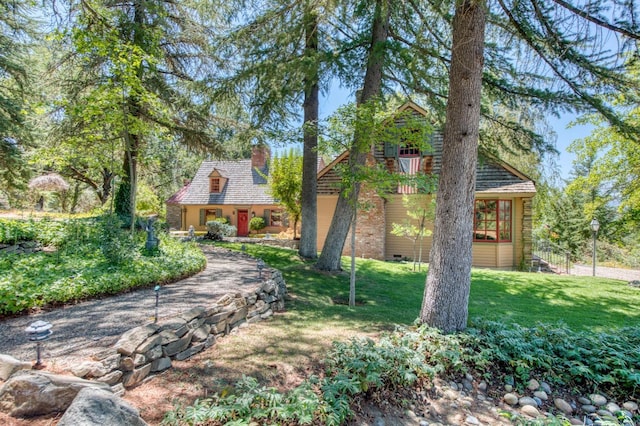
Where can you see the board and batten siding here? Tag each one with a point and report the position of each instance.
(326, 207)
(402, 247)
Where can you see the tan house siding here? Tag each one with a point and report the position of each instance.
(326, 207)
(527, 232)
(192, 216)
(401, 247)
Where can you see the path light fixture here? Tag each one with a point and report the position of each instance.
(595, 226)
(38, 332)
(260, 266)
(156, 290)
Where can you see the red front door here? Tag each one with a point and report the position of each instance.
(243, 223)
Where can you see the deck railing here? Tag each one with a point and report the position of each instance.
(550, 256)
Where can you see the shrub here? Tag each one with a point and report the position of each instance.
(76, 273)
(217, 230)
(256, 223)
(116, 245)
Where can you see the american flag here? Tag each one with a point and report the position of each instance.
(408, 166)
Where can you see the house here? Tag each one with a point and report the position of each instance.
(235, 190)
(503, 218)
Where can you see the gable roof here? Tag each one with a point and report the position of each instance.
(244, 186)
(179, 195)
(492, 174)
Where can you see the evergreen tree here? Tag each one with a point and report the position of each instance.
(16, 29)
(560, 37)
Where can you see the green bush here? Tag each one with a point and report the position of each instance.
(81, 270)
(257, 223)
(583, 362)
(217, 230)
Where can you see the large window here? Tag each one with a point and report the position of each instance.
(492, 221)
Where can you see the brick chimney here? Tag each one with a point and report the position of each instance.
(259, 156)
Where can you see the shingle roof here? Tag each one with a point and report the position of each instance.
(179, 195)
(244, 185)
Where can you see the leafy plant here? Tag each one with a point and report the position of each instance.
(117, 245)
(79, 268)
(257, 223)
(217, 230)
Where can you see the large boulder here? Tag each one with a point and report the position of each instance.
(36, 393)
(9, 365)
(98, 407)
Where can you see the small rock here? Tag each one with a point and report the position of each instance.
(530, 410)
(538, 401)
(630, 405)
(471, 420)
(378, 421)
(467, 385)
(584, 401)
(424, 423)
(588, 408)
(612, 407)
(469, 377)
(450, 394)
(482, 386)
(525, 400)
(453, 386)
(604, 413)
(508, 388)
(575, 421)
(510, 398)
(545, 387)
(533, 385)
(541, 395)
(598, 400)
(563, 405)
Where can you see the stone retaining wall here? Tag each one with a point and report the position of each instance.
(152, 347)
(20, 247)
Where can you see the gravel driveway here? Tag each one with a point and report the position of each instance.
(82, 329)
(604, 272)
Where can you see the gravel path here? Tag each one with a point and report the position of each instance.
(82, 329)
(604, 272)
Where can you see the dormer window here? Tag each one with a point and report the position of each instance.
(214, 185)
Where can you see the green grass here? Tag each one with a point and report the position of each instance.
(78, 269)
(391, 293)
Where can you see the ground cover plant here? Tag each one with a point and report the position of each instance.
(578, 333)
(85, 258)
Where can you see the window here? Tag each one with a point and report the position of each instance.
(214, 185)
(492, 221)
(408, 150)
(275, 218)
(208, 215)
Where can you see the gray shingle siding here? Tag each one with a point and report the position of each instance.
(244, 185)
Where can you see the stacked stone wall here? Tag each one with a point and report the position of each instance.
(21, 247)
(174, 216)
(153, 347)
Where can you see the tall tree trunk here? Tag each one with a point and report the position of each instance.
(446, 295)
(309, 200)
(329, 259)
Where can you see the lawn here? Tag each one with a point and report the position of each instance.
(286, 351)
(391, 293)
